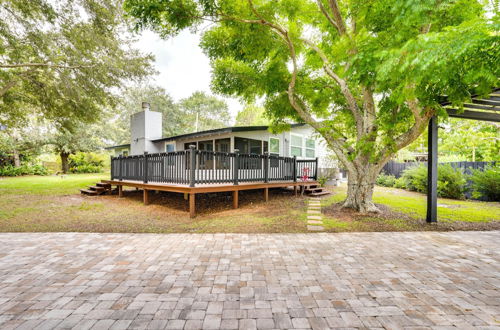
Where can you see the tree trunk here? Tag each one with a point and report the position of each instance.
(360, 184)
(17, 159)
(64, 162)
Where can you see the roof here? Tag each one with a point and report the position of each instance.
(120, 146)
(218, 131)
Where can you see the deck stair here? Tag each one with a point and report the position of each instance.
(100, 188)
(315, 190)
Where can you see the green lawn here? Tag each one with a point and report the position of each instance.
(53, 203)
(411, 207)
(48, 185)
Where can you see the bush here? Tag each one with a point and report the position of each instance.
(451, 181)
(486, 183)
(24, 169)
(400, 183)
(386, 180)
(86, 162)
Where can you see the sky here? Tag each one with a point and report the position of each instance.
(182, 66)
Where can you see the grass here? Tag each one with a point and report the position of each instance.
(52, 203)
(408, 210)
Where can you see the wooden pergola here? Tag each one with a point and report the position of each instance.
(480, 108)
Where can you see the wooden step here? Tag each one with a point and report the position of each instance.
(322, 193)
(96, 188)
(104, 185)
(311, 190)
(89, 192)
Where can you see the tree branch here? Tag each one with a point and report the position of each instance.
(39, 65)
(328, 17)
(334, 6)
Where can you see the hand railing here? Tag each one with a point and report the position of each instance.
(191, 167)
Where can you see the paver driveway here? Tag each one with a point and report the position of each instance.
(391, 280)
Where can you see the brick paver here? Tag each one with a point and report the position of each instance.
(322, 281)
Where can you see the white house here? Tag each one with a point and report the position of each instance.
(300, 140)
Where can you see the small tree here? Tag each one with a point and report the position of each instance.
(366, 75)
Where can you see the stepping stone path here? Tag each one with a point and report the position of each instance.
(314, 219)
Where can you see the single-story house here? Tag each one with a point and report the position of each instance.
(299, 141)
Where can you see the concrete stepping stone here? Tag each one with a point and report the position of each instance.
(314, 222)
(315, 228)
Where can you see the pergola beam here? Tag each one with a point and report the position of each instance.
(474, 115)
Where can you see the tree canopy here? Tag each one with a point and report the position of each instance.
(252, 115)
(65, 59)
(202, 112)
(367, 75)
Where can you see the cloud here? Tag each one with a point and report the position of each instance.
(182, 66)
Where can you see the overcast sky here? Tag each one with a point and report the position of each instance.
(182, 66)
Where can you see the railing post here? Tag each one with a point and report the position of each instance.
(236, 166)
(192, 168)
(120, 166)
(266, 167)
(111, 165)
(294, 170)
(145, 180)
(316, 170)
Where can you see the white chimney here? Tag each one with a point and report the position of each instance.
(145, 126)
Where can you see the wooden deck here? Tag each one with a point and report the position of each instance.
(206, 188)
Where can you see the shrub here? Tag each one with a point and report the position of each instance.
(415, 178)
(486, 183)
(24, 169)
(386, 180)
(400, 183)
(451, 181)
(86, 162)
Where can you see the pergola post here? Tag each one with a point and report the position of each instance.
(432, 170)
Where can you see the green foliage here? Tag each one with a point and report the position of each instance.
(24, 169)
(251, 115)
(400, 183)
(486, 183)
(451, 181)
(86, 162)
(203, 112)
(322, 180)
(64, 59)
(386, 180)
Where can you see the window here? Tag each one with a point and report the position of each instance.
(296, 145)
(310, 148)
(170, 147)
(248, 146)
(274, 146)
(125, 153)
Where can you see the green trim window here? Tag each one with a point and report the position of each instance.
(296, 145)
(310, 148)
(274, 146)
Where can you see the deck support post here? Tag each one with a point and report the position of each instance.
(266, 194)
(295, 190)
(120, 191)
(432, 169)
(145, 180)
(145, 196)
(192, 168)
(192, 205)
(235, 199)
(236, 167)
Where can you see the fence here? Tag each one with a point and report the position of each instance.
(191, 167)
(396, 169)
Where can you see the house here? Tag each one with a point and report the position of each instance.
(299, 141)
(229, 159)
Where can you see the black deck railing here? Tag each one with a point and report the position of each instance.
(191, 167)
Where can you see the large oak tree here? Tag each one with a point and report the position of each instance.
(366, 74)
